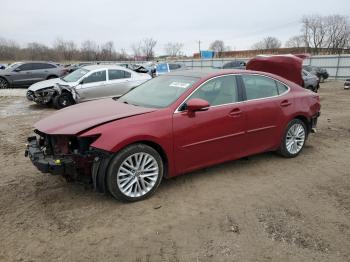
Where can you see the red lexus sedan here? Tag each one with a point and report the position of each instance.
(174, 124)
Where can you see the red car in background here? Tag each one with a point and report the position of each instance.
(174, 124)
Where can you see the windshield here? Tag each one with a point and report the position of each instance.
(76, 75)
(159, 92)
(13, 65)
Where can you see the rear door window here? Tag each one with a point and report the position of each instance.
(281, 88)
(118, 74)
(259, 87)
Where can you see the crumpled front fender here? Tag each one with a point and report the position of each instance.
(71, 89)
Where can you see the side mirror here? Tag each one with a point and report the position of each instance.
(17, 69)
(197, 104)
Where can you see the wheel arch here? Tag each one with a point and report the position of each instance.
(99, 169)
(7, 80)
(305, 120)
(158, 148)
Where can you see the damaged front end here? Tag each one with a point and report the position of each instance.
(69, 156)
(46, 95)
(41, 96)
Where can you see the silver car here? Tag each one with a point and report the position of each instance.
(87, 83)
(23, 74)
(310, 81)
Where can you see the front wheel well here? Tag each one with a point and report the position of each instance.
(160, 151)
(5, 79)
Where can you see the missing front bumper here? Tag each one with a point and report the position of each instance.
(49, 163)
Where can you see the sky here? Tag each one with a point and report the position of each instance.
(238, 23)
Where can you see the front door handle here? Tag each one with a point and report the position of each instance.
(236, 112)
(285, 103)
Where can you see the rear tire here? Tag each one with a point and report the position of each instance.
(134, 173)
(3, 83)
(63, 100)
(294, 139)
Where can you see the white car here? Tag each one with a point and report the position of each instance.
(86, 83)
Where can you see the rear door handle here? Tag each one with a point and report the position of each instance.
(236, 112)
(285, 103)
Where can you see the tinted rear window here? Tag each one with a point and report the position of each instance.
(38, 66)
(259, 87)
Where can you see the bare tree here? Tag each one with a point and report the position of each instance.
(9, 50)
(37, 51)
(89, 51)
(122, 55)
(218, 46)
(64, 50)
(269, 42)
(330, 32)
(173, 49)
(137, 49)
(108, 51)
(71, 51)
(337, 33)
(314, 31)
(296, 41)
(148, 45)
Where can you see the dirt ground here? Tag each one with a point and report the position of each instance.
(264, 208)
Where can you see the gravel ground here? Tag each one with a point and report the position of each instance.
(13, 92)
(262, 208)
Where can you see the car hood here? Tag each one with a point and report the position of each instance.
(49, 83)
(75, 119)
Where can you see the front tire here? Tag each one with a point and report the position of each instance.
(63, 100)
(294, 139)
(3, 83)
(135, 173)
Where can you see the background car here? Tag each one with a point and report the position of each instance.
(2, 66)
(23, 74)
(163, 68)
(87, 83)
(321, 73)
(237, 64)
(310, 81)
(347, 84)
(73, 67)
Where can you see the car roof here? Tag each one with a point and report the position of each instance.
(95, 67)
(44, 62)
(208, 73)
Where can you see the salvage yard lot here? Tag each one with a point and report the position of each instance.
(262, 208)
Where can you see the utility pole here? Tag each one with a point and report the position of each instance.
(199, 48)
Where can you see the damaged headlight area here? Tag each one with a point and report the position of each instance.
(42, 96)
(69, 156)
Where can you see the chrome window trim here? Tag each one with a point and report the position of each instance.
(239, 102)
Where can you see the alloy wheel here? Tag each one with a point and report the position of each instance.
(3, 83)
(295, 138)
(137, 175)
